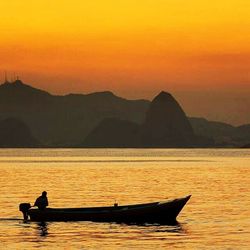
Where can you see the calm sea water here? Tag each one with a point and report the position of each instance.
(216, 217)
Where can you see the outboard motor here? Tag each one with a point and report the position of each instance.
(24, 208)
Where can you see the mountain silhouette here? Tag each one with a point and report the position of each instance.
(223, 134)
(18, 91)
(15, 134)
(64, 121)
(103, 119)
(113, 133)
(166, 124)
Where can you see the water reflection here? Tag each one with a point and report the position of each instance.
(173, 228)
(42, 229)
(210, 175)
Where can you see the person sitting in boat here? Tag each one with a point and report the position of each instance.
(42, 201)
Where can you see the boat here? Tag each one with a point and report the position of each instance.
(164, 212)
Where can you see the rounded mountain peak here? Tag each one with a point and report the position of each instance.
(166, 123)
(163, 96)
(163, 108)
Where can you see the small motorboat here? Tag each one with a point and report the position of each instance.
(157, 212)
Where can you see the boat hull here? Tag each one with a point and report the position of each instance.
(157, 212)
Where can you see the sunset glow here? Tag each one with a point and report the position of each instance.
(134, 48)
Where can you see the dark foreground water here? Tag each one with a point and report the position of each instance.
(216, 217)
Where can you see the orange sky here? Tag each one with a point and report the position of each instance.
(133, 47)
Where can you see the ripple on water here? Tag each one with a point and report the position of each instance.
(217, 216)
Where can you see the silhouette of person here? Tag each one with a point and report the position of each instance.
(42, 201)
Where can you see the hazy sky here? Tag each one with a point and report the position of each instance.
(198, 50)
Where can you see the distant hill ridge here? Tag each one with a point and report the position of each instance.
(15, 134)
(64, 121)
(224, 135)
(18, 88)
(165, 125)
(72, 120)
